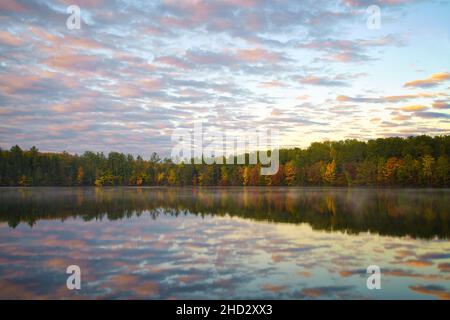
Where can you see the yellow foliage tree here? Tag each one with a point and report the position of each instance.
(172, 177)
(329, 175)
(290, 173)
(245, 176)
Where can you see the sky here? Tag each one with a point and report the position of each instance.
(137, 70)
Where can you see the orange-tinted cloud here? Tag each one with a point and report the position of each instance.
(409, 274)
(347, 273)
(413, 108)
(140, 287)
(444, 267)
(436, 291)
(305, 274)
(417, 263)
(57, 263)
(10, 290)
(407, 97)
(274, 288)
(277, 258)
(190, 278)
(312, 292)
(147, 289)
(432, 81)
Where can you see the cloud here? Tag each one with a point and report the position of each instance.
(433, 81)
(320, 292)
(322, 81)
(173, 62)
(393, 273)
(384, 3)
(441, 105)
(435, 256)
(444, 267)
(432, 115)
(433, 290)
(343, 98)
(137, 69)
(8, 39)
(74, 62)
(417, 263)
(404, 97)
(31, 84)
(238, 58)
(388, 98)
(257, 55)
(413, 108)
(136, 285)
(83, 3)
(349, 51)
(12, 6)
(274, 288)
(271, 84)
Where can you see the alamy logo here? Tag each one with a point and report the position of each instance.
(374, 20)
(217, 147)
(73, 22)
(374, 280)
(74, 280)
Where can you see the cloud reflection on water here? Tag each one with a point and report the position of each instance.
(215, 256)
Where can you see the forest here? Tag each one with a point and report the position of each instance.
(420, 161)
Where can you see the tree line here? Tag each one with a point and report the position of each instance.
(420, 161)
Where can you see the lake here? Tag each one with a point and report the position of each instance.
(208, 243)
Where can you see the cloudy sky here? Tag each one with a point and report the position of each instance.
(136, 70)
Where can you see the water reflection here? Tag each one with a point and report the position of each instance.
(416, 212)
(216, 243)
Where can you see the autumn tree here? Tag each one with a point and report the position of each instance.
(329, 175)
(290, 172)
(412, 161)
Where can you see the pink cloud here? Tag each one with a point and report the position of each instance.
(83, 3)
(151, 84)
(173, 62)
(12, 83)
(12, 6)
(257, 55)
(72, 62)
(441, 105)
(8, 39)
(242, 3)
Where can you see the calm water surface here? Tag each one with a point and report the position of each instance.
(286, 243)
